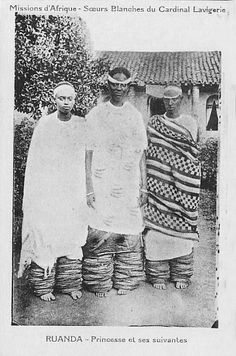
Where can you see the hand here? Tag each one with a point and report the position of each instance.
(91, 200)
(143, 197)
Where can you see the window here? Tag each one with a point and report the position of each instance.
(212, 113)
(156, 106)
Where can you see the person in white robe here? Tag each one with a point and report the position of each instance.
(116, 190)
(54, 203)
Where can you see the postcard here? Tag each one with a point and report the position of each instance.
(118, 178)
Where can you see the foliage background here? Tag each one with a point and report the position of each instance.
(209, 163)
(49, 50)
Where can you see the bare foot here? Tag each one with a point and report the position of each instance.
(181, 285)
(159, 285)
(101, 294)
(76, 294)
(47, 297)
(122, 291)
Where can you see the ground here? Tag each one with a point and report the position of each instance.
(146, 306)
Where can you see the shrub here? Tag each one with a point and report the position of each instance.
(50, 49)
(22, 136)
(209, 163)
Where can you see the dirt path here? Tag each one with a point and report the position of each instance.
(144, 306)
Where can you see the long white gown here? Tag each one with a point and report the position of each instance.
(54, 204)
(117, 137)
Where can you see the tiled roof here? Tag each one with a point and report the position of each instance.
(169, 67)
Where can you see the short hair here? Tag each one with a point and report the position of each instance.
(120, 70)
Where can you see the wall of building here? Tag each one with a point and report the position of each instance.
(202, 118)
(139, 99)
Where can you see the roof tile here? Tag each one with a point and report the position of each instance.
(169, 67)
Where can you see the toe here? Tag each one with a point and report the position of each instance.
(181, 285)
(76, 295)
(47, 297)
(159, 286)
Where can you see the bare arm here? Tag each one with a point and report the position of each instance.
(89, 182)
(143, 182)
(143, 171)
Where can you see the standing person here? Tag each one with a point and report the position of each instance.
(116, 189)
(173, 176)
(54, 204)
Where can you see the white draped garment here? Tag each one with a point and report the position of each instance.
(54, 203)
(117, 137)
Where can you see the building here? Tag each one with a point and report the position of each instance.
(198, 73)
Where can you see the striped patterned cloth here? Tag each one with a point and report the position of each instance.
(173, 176)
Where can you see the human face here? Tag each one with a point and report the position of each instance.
(172, 106)
(65, 99)
(118, 91)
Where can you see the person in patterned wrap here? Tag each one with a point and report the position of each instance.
(173, 183)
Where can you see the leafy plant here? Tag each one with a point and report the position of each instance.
(50, 49)
(22, 136)
(209, 163)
